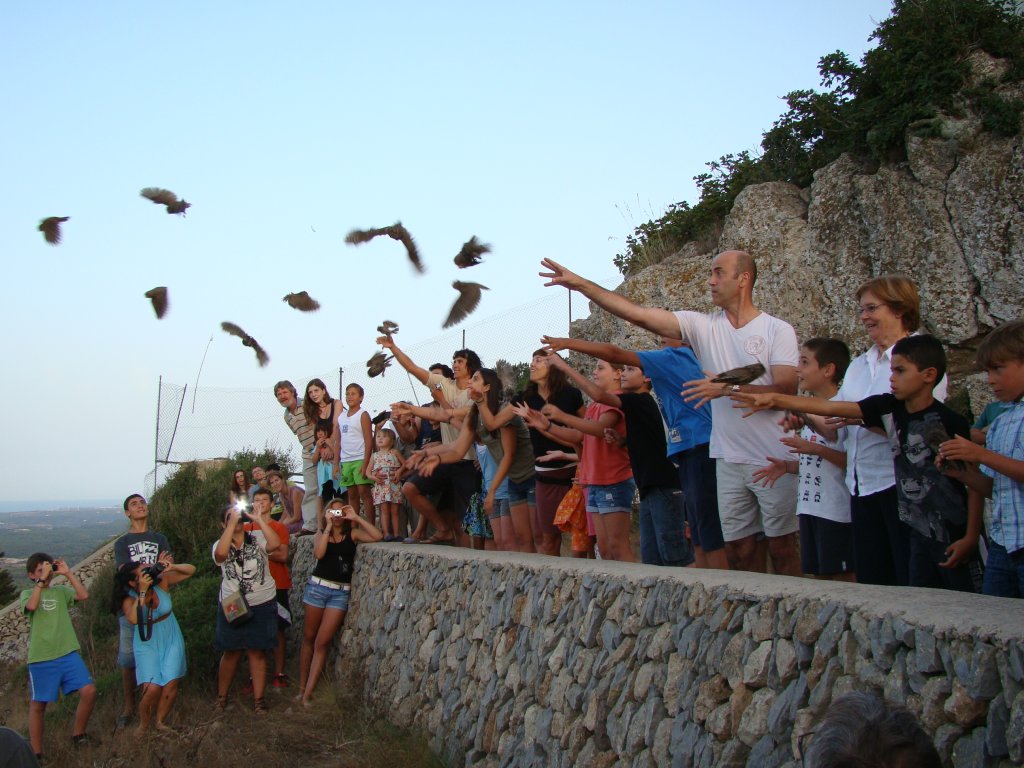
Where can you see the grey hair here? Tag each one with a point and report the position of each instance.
(860, 730)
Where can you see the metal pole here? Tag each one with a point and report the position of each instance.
(463, 338)
(156, 441)
(341, 382)
(177, 419)
(570, 308)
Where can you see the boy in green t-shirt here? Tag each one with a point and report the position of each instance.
(54, 664)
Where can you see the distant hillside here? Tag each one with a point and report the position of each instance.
(73, 534)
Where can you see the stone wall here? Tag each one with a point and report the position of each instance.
(14, 624)
(524, 660)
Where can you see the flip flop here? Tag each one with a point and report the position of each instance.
(436, 539)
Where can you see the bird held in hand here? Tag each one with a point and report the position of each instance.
(166, 198)
(50, 227)
(471, 252)
(742, 375)
(302, 301)
(377, 364)
(158, 296)
(396, 232)
(261, 356)
(387, 328)
(469, 298)
(935, 435)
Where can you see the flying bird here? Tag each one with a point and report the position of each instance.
(158, 296)
(166, 198)
(507, 376)
(50, 227)
(396, 232)
(469, 297)
(471, 252)
(742, 375)
(377, 364)
(248, 341)
(302, 301)
(388, 328)
(935, 435)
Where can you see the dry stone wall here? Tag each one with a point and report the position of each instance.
(525, 660)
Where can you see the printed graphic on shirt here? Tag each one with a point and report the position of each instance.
(755, 345)
(926, 496)
(48, 604)
(145, 552)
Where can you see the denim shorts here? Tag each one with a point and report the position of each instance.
(125, 650)
(525, 491)
(500, 509)
(319, 596)
(606, 499)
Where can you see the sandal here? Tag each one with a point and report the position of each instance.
(222, 703)
(259, 706)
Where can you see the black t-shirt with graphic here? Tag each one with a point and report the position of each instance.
(569, 400)
(142, 547)
(931, 503)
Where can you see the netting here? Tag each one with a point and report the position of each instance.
(210, 422)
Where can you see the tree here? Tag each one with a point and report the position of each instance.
(8, 589)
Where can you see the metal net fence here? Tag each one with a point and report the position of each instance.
(196, 424)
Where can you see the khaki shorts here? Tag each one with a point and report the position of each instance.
(747, 508)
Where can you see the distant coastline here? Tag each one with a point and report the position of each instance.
(58, 504)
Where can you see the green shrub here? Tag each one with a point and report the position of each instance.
(195, 607)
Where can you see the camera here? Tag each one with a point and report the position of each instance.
(154, 571)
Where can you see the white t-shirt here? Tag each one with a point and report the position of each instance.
(719, 346)
(247, 569)
(457, 398)
(822, 488)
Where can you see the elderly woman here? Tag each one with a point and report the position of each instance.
(890, 309)
(287, 501)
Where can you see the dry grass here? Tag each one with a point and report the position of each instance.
(337, 731)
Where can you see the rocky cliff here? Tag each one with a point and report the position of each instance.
(950, 215)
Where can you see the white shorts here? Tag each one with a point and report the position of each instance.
(747, 508)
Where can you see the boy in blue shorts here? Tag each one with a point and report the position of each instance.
(1001, 354)
(943, 532)
(54, 663)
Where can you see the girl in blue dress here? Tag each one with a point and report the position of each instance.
(157, 641)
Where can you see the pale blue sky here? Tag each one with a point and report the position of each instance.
(546, 129)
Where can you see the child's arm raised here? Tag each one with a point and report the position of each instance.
(766, 401)
(800, 445)
(60, 567)
(590, 389)
(608, 352)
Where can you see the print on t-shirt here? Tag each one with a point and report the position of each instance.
(145, 552)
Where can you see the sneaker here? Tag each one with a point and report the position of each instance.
(248, 688)
(280, 680)
(82, 740)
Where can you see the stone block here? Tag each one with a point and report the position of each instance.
(833, 631)
(962, 708)
(686, 735)
(710, 694)
(662, 742)
(661, 643)
(1015, 730)
(734, 755)
(945, 739)
(933, 699)
(731, 665)
(755, 670)
(739, 701)
(719, 722)
(785, 660)
(754, 723)
(645, 679)
(759, 621)
(847, 651)
(977, 671)
(808, 628)
(969, 750)
(995, 728)
(927, 652)
(821, 691)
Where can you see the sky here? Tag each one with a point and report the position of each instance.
(545, 129)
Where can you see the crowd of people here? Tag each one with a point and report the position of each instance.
(866, 477)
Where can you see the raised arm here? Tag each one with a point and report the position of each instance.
(403, 359)
(774, 401)
(659, 321)
(595, 427)
(600, 350)
(590, 389)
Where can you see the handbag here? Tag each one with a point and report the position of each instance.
(235, 606)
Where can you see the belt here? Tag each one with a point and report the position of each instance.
(329, 584)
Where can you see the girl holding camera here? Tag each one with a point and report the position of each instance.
(329, 587)
(157, 642)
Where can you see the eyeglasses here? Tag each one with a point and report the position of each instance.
(869, 309)
(801, 746)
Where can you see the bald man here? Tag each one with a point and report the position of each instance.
(737, 333)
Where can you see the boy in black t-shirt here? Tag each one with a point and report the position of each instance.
(943, 537)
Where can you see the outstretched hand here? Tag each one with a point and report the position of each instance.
(701, 391)
(767, 476)
(554, 343)
(553, 413)
(386, 341)
(531, 417)
(960, 449)
(559, 275)
(752, 402)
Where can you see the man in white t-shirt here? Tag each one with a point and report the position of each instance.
(736, 334)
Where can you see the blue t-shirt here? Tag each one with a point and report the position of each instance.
(667, 369)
